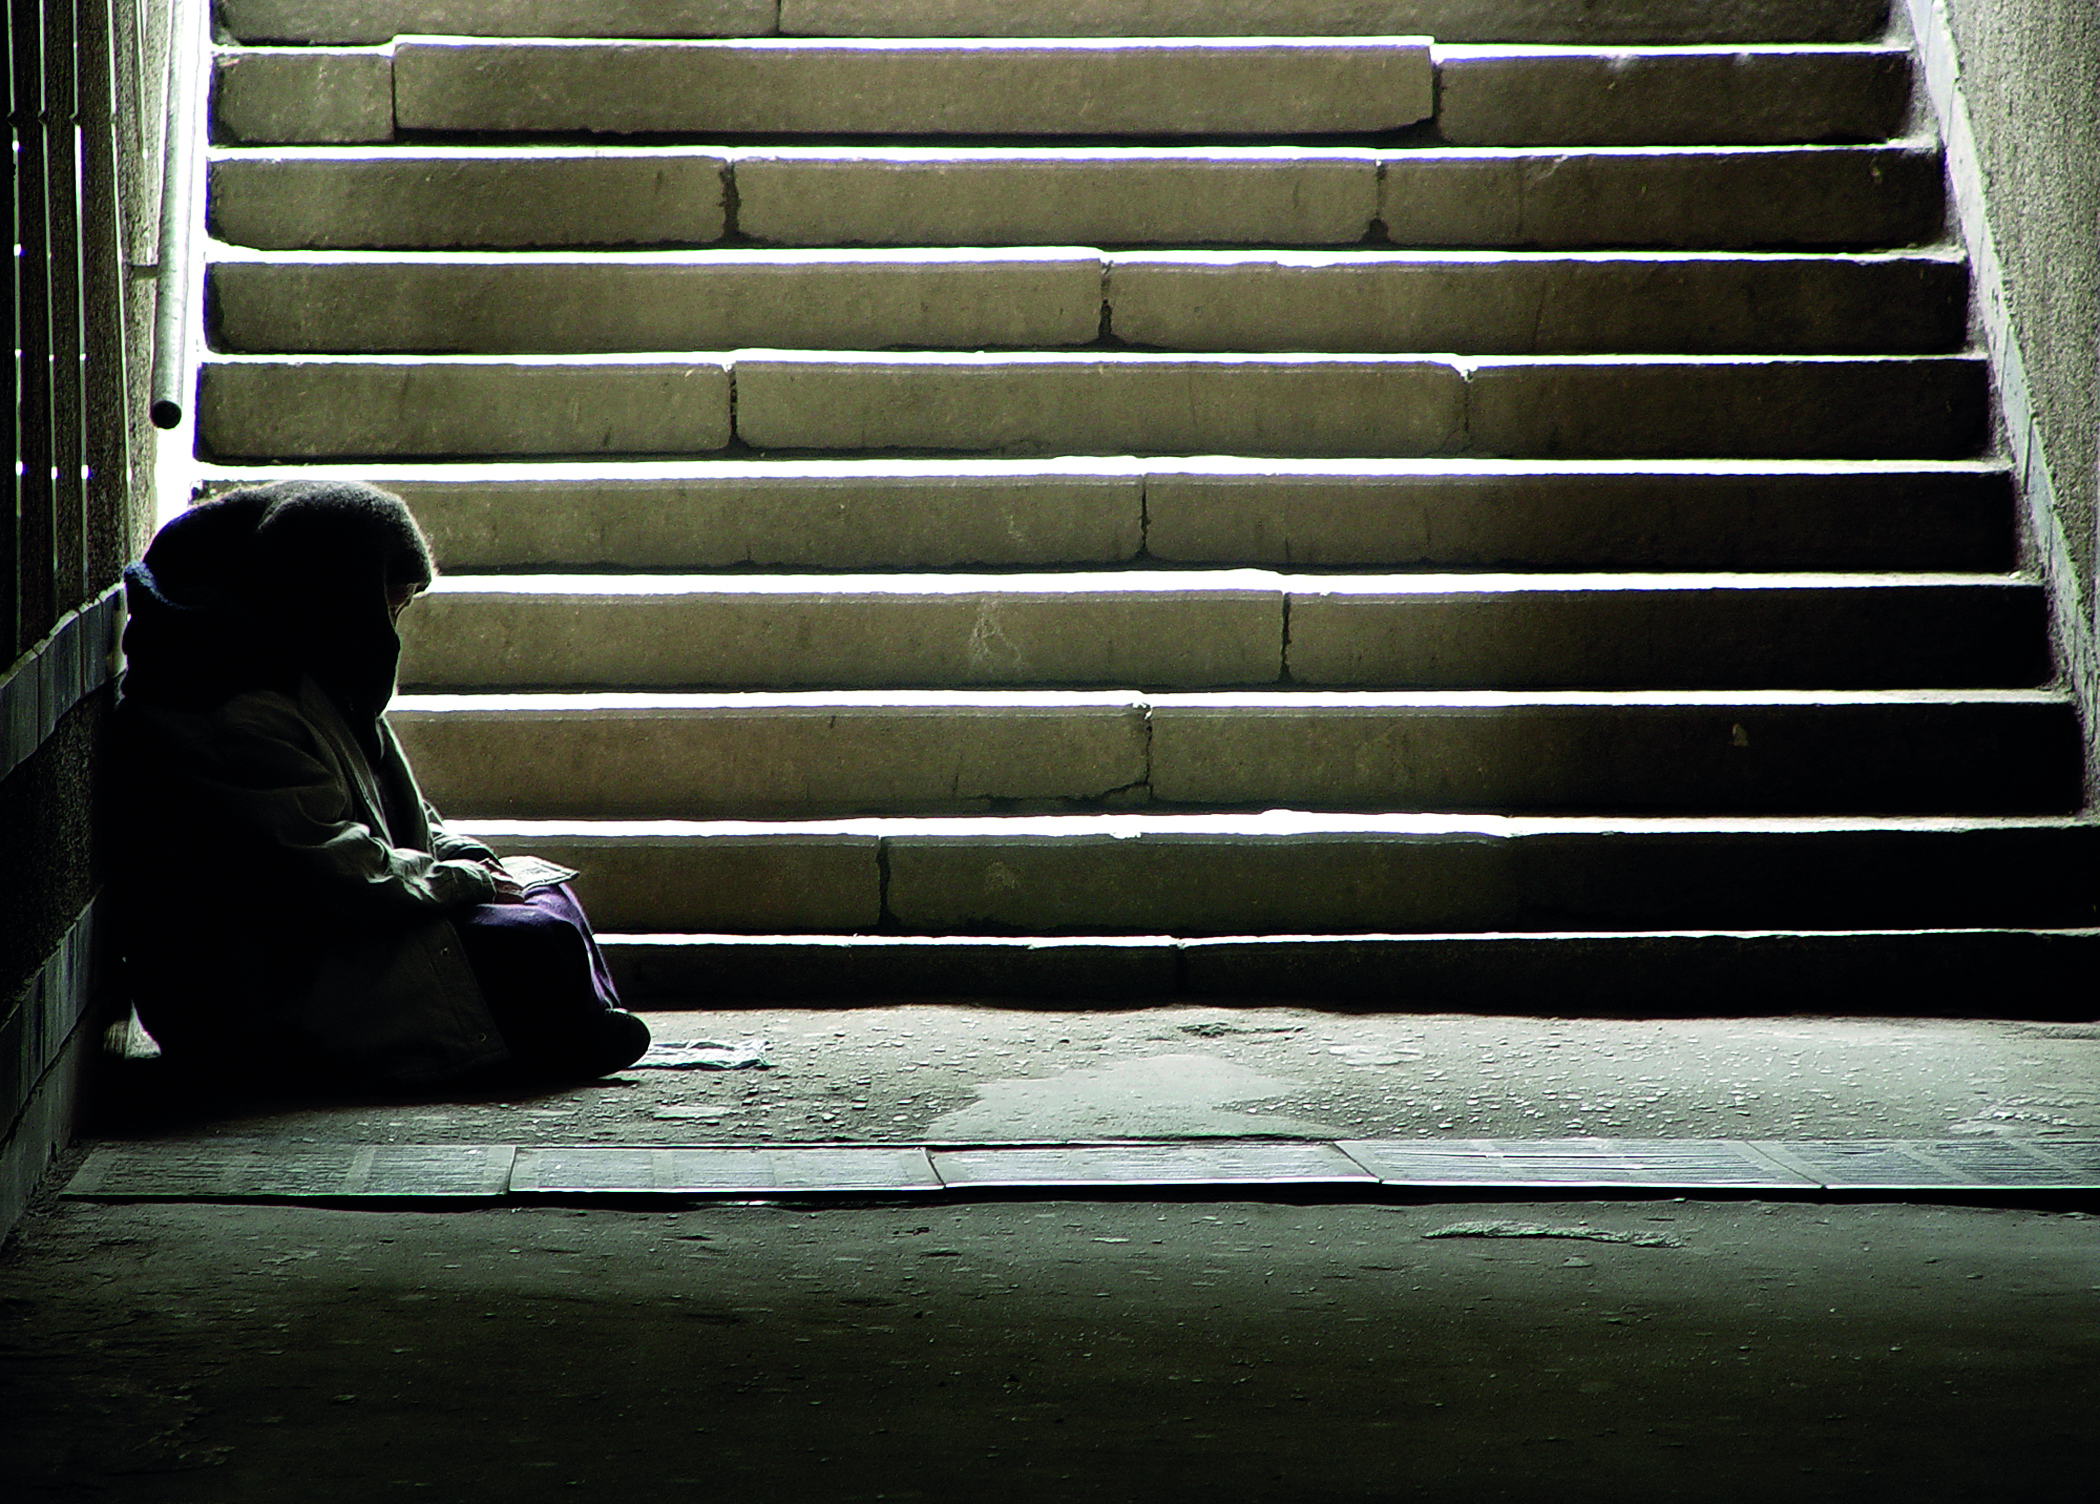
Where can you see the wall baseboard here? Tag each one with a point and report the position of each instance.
(47, 1041)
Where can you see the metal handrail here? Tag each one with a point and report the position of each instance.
(178, 171)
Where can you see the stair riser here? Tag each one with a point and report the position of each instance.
(1920, 407)
(1869, 196)
(857, 760)
(1812, 637)
(1486, 98)
(1483, 96)
(1360, 302)
(1664, 975)
(1256, 87)
(1917, 519)
(1320, 885)
(1683, 21)
(1686, 21)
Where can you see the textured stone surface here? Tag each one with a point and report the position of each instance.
(825, 515)
(1190, 196)
(1101, 404)
(303, 95)
(1174, 87)
(817, 632)
(1574, 515)
(350, 407)
(1517, 631)
(685, 300)
(442, 197)
(1538, 303)
(647, 878)
(1498, 97)
(737, 759)
(1635, 753)
(382, 20)
(1931, 407)
(1682, 21)
(1688, 197)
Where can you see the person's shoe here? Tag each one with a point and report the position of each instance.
(616, 1042)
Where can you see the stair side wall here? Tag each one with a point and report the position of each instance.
(2015, 88)
(65, 541)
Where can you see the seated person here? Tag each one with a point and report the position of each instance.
(286, 898)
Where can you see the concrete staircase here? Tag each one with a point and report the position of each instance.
(1136, 496)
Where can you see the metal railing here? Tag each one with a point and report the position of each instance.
(188, 50)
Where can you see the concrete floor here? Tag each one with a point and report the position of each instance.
(916, 1072)
(1652, 1349)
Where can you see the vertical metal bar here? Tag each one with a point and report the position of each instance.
(179, 153)
(68, 420)
(11, 511)
(36, 607)
(105, 288)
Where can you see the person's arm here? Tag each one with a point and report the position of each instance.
(449, 844)
(266, 774)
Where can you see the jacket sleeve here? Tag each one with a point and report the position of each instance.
(266, 775)
(450, 844)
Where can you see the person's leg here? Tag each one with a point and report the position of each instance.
(547, 987)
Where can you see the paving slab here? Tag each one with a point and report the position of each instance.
(1992, 1163)
(1496, 96)
(436, 197)
(1069, 1168)
(275, 1170)
(600, 1170)
(1576, 1164)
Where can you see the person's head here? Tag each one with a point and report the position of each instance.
(252, 588)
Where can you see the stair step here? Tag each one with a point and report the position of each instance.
(1165, 87)
(1345, 301)
(1114, 402)
(1551, 96)
(1288, 873)
(1653, 973)
(793, 756)
(1168, 87)
(1689, 197)
(1192, 629)
(1478, 20)
(355, 21)
(1443, 514)
(1107, 86)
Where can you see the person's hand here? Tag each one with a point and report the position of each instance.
(507, 887)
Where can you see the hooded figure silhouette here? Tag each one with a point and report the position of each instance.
(286, 897)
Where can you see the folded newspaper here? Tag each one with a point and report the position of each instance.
(535, 872)
(706, 1055)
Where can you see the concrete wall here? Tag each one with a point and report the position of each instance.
(67, 537)
(2016, 87)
